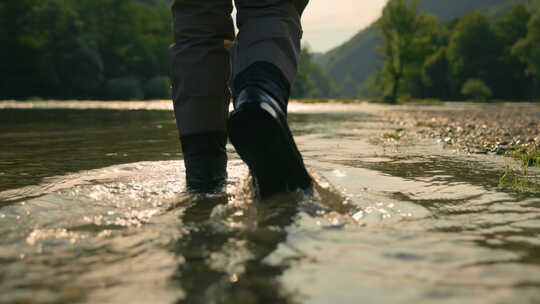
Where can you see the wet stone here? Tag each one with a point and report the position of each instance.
(486, 129)
(482, 151)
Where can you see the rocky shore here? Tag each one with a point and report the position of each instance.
(502, 129)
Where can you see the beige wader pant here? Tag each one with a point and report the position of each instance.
(269, 31)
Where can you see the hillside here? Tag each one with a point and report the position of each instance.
(356, 60)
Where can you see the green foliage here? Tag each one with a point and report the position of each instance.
(473, 48)
(73, 49)
(114, 48)
(358, 56)
(528, 48)
(471, 57)
(125, 88)
(509, 78)
(311, 81)
(522, 180)
(401, 28)
(476, 90)
(435, 74)
(158, 87)
(512, 26)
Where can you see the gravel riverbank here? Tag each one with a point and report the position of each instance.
(480, 129)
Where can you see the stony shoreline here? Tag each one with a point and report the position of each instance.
(483, 129)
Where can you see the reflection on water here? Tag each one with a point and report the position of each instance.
(92, 209)
(43, 143)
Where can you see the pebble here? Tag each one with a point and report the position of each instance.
(482, 131)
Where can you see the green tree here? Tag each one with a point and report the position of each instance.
(528, 48)
(528, 51)
(44, 51)
(399, 26)
(510, 80)
(77, 65)
(158, 87)
(303, 82)
(24, 56)
(133, 37)
(71, 49)
(349, 87)
(435, 75)
(473, 50)
(125, 88)
(311, 80)
(427, 41)
(476, 90)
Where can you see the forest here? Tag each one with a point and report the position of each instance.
(119, 49)
(84, 49)
(471, 57)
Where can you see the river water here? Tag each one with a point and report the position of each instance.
(92, 210)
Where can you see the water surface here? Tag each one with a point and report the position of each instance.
(92, 210)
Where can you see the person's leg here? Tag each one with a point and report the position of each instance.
(203, 30)
(268, 43)
(266, 63)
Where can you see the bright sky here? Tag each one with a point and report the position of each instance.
(328, 23)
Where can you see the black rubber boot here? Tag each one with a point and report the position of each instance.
(267, 77)
(205, 159)
(259, 131)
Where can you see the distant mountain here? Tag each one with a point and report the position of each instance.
(357, 59)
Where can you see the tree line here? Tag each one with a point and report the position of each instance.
(472, 57)
(119, 49)
(102, 49)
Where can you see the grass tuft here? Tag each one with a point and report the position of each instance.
(520, 180)
(393, 136)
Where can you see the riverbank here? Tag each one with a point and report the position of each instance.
(502, 129)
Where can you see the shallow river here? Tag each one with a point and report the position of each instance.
(92, 210)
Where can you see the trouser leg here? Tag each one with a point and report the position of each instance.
(203, 30)
(266, 63)
(268, 44)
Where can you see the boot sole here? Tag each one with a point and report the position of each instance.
(264, 141)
